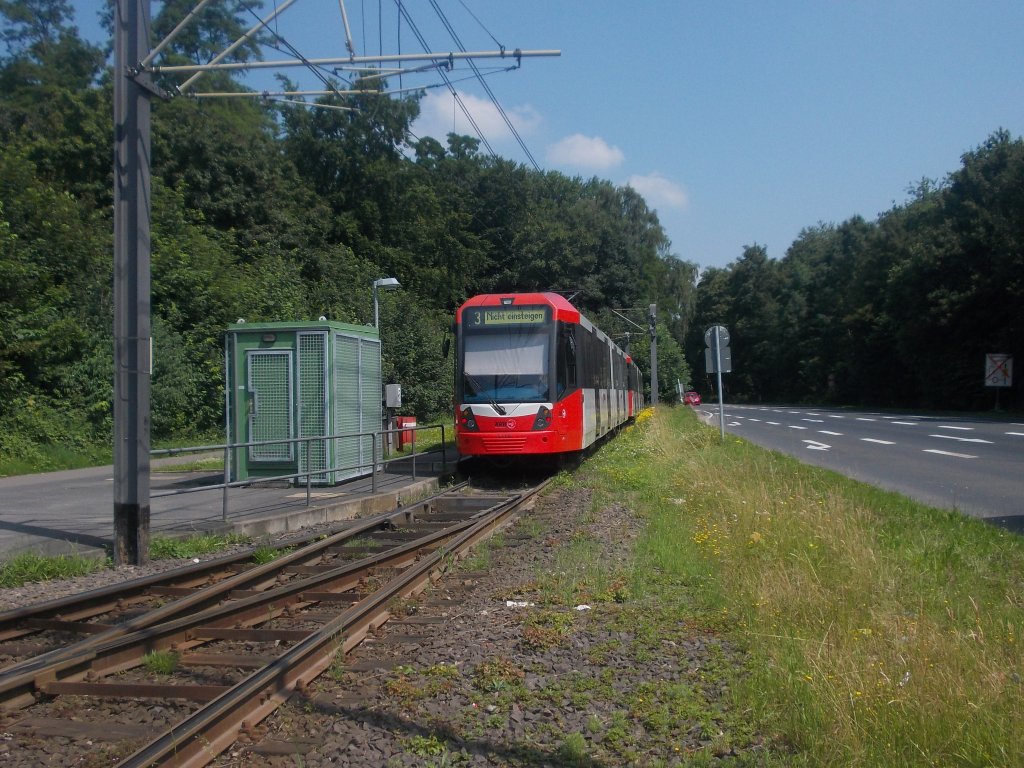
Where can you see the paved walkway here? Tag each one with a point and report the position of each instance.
(73, 510)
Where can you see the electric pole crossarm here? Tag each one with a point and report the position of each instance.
(248, 35)
(336, 61)
(174, 33)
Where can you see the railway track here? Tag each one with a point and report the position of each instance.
(169, 670)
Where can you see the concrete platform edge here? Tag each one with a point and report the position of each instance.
(333, 512)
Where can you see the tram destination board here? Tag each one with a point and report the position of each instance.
(493, 316)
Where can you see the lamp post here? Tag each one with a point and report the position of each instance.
(388, 283)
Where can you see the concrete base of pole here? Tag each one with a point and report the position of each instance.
(131, 534)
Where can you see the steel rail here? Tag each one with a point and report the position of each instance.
(99, 601)
(125, 652)
(213, 728)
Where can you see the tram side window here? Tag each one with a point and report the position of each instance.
(585, 345)
(566, 363)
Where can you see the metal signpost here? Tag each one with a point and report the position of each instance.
(653, 322)
(718, 359)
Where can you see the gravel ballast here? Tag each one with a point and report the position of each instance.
(491, 667)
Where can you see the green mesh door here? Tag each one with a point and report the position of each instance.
(269, 378)
(313, 403)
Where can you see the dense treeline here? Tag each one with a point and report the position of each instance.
(286, 213)
(273, 213)
(896, 312)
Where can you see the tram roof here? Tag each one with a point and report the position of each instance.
(563, 310)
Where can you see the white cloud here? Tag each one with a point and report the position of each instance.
(439, 116)
(659, 191)
(585, 152)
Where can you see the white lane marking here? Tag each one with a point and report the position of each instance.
(753, 420)
(813, 414)
(773, 423)
(826, 432)
(814, 445)
(907, 423)
(963, 429)
(963, 439)
(734, 424)
(862, 418)
(880, 442)
(793, 426)
(835, 416)
(950, 453)
(1016, 434)
(814, 421)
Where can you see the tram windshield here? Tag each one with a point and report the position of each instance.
(506, 365)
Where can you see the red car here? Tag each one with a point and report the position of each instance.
(691, 398)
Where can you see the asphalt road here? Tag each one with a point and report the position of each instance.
(971, 464)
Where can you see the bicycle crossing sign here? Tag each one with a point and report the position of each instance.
(998, 370)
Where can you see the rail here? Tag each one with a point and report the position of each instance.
(375, 466)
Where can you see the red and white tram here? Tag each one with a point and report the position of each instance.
(534, 376)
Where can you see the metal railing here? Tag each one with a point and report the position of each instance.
(375, 466)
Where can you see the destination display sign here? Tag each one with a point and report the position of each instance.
(490, 316)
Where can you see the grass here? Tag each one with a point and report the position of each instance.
(50, 458)
(429, 439)
(162, 547)
(160, 662)
(29, 567)
(878, 631)
(202, 464)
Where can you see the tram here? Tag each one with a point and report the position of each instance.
(534, 376)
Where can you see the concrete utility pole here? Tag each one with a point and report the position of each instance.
(132, 340)
(654, 353)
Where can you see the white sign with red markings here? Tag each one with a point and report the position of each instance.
(998, 370)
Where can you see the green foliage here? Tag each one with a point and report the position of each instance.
(897, 312)
(290, 215)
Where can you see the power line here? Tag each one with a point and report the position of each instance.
(451, 88)
(486, 87)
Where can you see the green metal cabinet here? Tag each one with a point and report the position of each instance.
(297, 380)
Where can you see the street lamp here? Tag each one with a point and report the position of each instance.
(388, 283)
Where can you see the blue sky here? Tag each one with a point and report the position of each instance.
(739, 122)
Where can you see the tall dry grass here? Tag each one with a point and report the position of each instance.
(879, 631)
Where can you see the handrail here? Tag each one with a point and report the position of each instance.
(375, 464)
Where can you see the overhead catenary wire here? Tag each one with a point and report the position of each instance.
(448, 83)
(320, 68)
(332, 88)
(486, 87)
(485, 29)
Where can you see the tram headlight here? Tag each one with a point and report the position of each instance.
(467, 421)
(543, 420)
